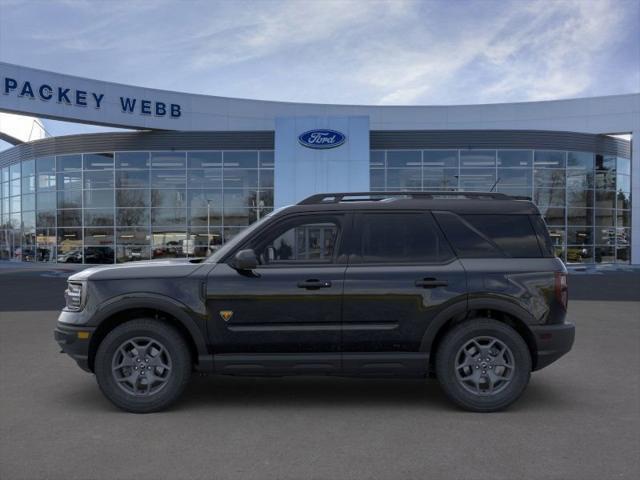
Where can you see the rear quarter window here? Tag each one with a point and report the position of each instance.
(490, 236)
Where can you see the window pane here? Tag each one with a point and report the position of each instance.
(480, 179)
(578, 178)
(605, 236)
(132, 236)
(46, 165)
(45, 200)
(70, 199)
(579, 254)
(514, 176)
(605, 163)
(132, 253)
(168, 198)
(98, 179)
(549, 159)
(266, 159)
(435, 178)
(98, 255)
(623, 200)
(168, 178)
(623, 166)
(266, 179)
(402, 178)
(132, 178)
(582, 160)
(205, 240)
(605, 217)
(132, 216)
(98, 236)
(580, 198)
(240, 159)
(440, 158)
(98, 161)
(28, 168)
(515, 158)
(69, 162)
(46, 218)
(579, 216)
(29, 202)
(376, 178)
(624, 183)
(98, 217)
(138, 160)
(168, 217)
(580, 236)
(168, 160)
(605, 254)
(402, 238)
(477, 158)
(238, 178)
(98, 199)
(404, 158)
(204, 159)
(133, 198)
(168, 243)
(70, 218)
(205, 178)
(376, 158)
(70, 180)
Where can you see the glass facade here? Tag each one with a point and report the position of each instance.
(112, 207)
(585, 198)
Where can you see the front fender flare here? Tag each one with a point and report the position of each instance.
(178, 310)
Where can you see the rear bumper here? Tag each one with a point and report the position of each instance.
(552, 342)
(74, 345)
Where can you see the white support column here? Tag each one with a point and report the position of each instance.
(635, 197)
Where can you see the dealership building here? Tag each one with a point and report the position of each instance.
(191, 171)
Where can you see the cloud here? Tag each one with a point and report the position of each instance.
(337, 51)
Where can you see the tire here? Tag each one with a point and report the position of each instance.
(484, 382)
(152, 365)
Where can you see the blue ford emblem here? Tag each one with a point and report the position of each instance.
(322, 138)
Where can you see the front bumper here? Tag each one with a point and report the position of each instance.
(74, 341)
(552, 342)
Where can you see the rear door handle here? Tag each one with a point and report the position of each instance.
(431, 283)
(314, 284)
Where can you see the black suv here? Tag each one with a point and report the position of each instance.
(461, 286)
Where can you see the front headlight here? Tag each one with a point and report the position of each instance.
(74, 296)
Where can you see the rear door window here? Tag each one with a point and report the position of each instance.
(401, 238)
(477, 236)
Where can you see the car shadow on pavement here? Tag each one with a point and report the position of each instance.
(313, 392)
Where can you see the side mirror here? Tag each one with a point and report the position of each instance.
(245, 260)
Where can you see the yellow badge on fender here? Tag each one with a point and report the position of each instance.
(226, 315)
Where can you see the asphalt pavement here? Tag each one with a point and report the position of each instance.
(579, 418)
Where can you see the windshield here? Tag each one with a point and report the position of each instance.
(239, 238)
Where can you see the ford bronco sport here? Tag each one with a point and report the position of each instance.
(461, 286)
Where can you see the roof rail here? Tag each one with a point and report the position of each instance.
(378, 196)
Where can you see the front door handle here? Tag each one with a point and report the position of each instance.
(314, 284)
(431, 283)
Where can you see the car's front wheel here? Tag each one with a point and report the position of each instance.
(143, 365)
(483, 365)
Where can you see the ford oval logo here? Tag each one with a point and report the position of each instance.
(322, 138)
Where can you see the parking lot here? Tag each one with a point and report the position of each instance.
(579, 418)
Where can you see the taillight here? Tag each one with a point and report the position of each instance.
(562, 289)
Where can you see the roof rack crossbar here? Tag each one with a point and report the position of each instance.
(377, 196)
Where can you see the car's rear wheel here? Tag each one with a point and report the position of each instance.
(483, 365)
(143, 365)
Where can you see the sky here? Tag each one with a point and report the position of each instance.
(393, 52)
